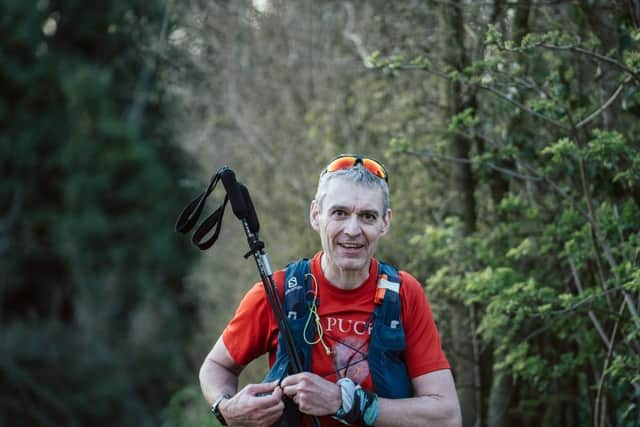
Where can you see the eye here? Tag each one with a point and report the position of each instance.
(339, 213)
(369, 217)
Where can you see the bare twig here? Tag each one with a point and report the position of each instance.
(629, 301)
(525, 108)
(594, 55)
(592, 316)
(578, 304)
(490, 89)
(494, 91)
(596, 405)
(463, 160)
(354, 37)
(604, 106)
(593, 222)
(556, 188)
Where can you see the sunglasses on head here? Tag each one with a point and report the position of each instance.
(348, 161)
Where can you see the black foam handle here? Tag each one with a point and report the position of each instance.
(252, 216)
(236, 198)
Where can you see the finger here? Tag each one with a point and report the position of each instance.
(268, 416)
(290, 390)
(277, 393)
(261, 388)
(292, 379)
(266, 402)
(273, 415)
(277, 409)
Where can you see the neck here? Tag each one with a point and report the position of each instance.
(344, 279)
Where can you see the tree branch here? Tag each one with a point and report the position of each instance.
(432, 155)
(592, 316)
(578, 304)
(586, 191)
(629, 301)
(596, 405)
(604, 106)
(594, 55)
(525, 108)
(488, 89)
(351, 35)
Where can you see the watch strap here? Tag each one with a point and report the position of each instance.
(215, 408)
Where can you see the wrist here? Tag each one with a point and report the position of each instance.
(336, 403)
(216, 408)
(358, 404)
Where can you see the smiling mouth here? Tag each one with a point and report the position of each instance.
(351, 246)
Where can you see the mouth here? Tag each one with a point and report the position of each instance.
(351, 246)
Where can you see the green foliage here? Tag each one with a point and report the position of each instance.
(464, 120)
(94, 314)
(544, 102)
(187, 408)
(561, 150)
(551, 256)
(632, 60)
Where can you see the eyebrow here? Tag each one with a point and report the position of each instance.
(369, 212)
(361, 212)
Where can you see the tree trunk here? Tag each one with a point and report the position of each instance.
(502, 385)
(499, 399)
(465, 357)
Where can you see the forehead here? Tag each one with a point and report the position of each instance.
(345, 193)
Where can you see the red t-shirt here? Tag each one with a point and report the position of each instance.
(346, 319)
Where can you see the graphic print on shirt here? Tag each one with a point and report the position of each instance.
(350, 358)
(350, 347)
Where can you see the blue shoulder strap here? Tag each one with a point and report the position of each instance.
(296, 305)
(389, 280)
(296, 286)
(388, 341)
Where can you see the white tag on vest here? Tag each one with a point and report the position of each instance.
(392, 286)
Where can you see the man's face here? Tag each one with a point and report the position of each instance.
(350, 223)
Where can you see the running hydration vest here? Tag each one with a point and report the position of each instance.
(387, 341)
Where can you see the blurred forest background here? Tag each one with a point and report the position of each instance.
(509, 127)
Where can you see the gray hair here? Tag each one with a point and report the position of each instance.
(358, 175)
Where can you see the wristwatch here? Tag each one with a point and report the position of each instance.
(216, 410)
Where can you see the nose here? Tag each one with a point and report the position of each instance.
(352, 226)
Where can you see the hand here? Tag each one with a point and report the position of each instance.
(252, 409)
(313, 394)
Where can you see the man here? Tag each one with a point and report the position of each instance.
(363, 369)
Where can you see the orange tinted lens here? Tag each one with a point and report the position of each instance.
(375, 168)
(341, 163)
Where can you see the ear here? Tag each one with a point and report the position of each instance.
(314, 213)
(386, 223)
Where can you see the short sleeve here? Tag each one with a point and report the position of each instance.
(253, 330)
(423, 352)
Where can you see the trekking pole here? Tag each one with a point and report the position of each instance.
(243, 209)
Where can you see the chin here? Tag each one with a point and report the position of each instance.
(353, 264)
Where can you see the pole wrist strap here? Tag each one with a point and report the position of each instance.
(358, 404)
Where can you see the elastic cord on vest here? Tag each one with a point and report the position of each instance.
(358, 404)
(313, 313)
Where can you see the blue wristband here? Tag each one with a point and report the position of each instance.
(358, 404)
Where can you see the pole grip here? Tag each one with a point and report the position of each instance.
(252, 216)
(236, 198)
